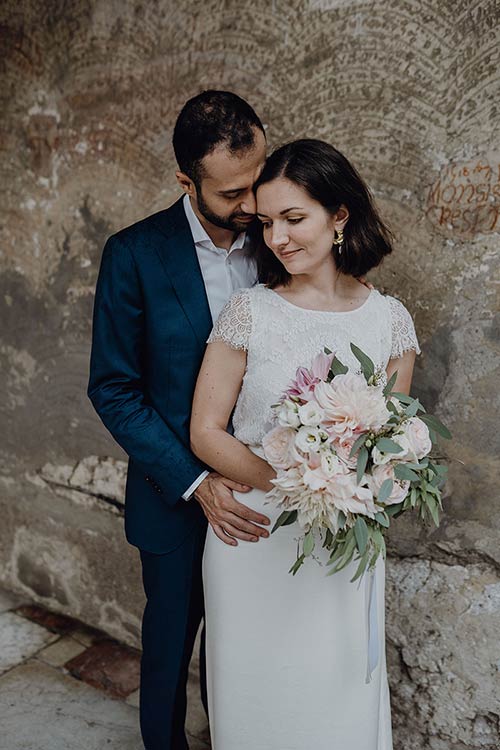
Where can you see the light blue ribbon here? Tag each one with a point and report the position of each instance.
(371, 620)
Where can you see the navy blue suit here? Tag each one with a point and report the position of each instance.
(151, 321)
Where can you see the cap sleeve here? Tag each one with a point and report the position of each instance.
(404, 338)
(234, 324)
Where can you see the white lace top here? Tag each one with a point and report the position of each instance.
(278, 337)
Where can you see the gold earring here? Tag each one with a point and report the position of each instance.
(339, 237)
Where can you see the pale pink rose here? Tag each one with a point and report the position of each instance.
(350, 497)
(343, 450)
(305, 380)
(377, 478)
(279, 448)
(351, 406)
(417, 434)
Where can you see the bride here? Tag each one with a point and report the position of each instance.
(295, 663)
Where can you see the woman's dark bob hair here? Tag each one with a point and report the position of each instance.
(327, 176)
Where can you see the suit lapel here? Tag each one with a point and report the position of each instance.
(180, 262)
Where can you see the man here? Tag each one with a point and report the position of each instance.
(162, 283)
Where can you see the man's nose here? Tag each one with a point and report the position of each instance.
(249, 205)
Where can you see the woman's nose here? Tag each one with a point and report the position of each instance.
(279, 237)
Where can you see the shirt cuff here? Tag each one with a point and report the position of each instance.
(188, 494)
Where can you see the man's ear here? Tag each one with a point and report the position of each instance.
(186, 184)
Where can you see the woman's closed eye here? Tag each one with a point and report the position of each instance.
(267, 224)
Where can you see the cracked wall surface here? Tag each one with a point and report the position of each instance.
(409, 91)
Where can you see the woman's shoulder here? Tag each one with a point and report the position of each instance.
(404, 336)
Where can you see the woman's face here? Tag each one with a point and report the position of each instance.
(298, 230)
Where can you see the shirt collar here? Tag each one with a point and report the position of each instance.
(200, 235)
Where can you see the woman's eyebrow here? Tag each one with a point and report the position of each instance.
(285, 211)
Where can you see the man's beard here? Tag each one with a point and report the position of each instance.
(230, 222)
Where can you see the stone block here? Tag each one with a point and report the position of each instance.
(44, 709)
(20, 639)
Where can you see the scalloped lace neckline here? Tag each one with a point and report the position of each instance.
(321, 312)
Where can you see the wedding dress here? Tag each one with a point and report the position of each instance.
(295, 662)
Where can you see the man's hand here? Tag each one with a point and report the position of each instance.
(227, 516)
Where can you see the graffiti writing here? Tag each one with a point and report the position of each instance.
(465, 199)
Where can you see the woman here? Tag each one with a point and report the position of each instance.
(287, 657)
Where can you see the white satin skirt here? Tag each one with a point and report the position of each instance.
(293, 662)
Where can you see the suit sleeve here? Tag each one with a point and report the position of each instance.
(116, 385)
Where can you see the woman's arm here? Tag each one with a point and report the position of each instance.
(217, 390)
(404, 366)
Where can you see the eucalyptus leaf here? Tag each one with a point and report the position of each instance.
(367, 366)
(412, 408)
(393, 510)
(297, 564)
(403, 397)
(361, 534)
(284, 519)
(361, 464)
(390, 384)
(435, 424)
(386, 445)
(382, 519)
(342, 519)
(385, 491)
(401, 471)
(357, 444)
(363, 564)
(337, 367)
(308, 544)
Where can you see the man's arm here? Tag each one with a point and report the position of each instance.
(116, 385)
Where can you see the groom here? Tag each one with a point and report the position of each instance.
(161, 285)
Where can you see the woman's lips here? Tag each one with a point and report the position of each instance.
(288, 253)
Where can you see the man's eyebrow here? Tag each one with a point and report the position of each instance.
(285, 211)
(231, 190)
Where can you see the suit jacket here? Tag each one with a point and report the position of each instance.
(151, 321)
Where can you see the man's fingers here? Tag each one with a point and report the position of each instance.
(245, 512)
(219, 531)
(236, 485)
(233, 531)
(244, 526)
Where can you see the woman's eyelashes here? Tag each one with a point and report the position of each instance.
(267, 224)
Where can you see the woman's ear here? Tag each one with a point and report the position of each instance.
(341, 217)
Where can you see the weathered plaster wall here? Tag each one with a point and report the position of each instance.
(409, 90)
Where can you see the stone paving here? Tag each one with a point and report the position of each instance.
(64, 686)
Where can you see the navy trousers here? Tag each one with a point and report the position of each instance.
(174, 610)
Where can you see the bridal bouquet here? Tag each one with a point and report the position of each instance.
(350, 454)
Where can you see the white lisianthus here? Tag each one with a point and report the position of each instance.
(311, 413)
(331, 464)
(288, 414)
(309, 439)
(351, 406)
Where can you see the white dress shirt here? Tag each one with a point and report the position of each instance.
(224, 272)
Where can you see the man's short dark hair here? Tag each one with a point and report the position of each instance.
(208, 120)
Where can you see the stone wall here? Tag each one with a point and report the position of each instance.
(409, 91)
